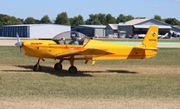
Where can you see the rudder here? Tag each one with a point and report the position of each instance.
(151, 37)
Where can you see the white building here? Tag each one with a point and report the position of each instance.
(34, 31)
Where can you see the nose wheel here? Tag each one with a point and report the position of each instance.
(37, 67)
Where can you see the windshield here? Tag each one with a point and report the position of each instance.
(71, 37)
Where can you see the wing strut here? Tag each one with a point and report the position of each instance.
(71, 60)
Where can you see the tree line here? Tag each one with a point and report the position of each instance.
(94, 19)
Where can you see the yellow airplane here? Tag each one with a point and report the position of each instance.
(83, 48)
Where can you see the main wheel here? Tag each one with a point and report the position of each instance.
(72, 70)
(58, 66)
(37, 68)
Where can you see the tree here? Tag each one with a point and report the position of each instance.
(14, 21)
(45, 20)
(123, 18)
(102, 18)
(96, 22)
(172, 21)
(110, 19)
(8, 20)
(29, 20)
(140, 17)
(37, 21)
(77, 20)
(1, 24)
(62, 19)
(157, 17)
(96, 19)
(81, 20)
(92, 18)
(129, 17)
(21, 20)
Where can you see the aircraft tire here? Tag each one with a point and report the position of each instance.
(58, 66)
(35, 68)
(72, 70)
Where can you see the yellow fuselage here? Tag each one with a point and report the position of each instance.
(100, 50)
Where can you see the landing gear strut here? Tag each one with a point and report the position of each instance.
(72, 69)
(37, 67)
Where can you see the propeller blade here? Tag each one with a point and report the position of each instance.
(18, 43)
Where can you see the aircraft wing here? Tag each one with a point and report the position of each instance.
(66, 54)
(81, 52)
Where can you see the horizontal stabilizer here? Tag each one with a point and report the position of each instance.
(146, 48)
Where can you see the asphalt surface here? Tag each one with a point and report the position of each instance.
(160, 44)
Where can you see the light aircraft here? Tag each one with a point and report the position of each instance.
(87, 49)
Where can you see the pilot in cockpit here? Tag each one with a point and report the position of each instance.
(74, 39)
(62, 40)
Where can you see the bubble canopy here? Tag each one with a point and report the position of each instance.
(80, 37)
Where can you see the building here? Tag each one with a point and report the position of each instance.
(126, 29)
(91, 30)
(33, 31)
(140, 26)
(177, 27)
(112, 30)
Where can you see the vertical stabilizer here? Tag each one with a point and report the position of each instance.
(151, 37)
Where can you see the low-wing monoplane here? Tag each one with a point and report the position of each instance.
(62, 48)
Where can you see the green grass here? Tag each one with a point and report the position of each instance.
(165, 56)
(87, 84)
(96, 86)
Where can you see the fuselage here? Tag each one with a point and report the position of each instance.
(100, 50)
(86, 49)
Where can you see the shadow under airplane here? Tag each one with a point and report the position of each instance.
(62, 73)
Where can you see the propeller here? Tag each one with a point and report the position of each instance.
(18, 43)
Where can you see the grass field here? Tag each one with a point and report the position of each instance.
(148, 83)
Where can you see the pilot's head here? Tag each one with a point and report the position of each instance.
(73, 36)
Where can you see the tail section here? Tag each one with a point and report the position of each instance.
(151, 38)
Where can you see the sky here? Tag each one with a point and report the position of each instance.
(137, 8)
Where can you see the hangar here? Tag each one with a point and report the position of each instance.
(112, 30)
(91, 30)
(33, 31)
(140, 26)
(124, 29)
